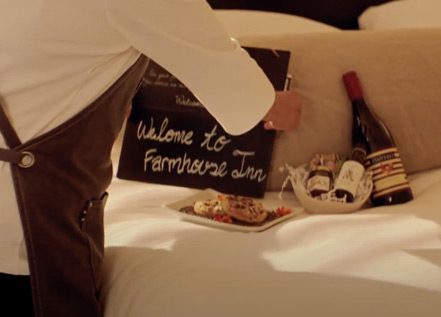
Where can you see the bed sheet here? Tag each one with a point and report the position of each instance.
(375, 262)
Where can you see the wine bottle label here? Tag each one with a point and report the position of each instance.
(319, 182)
(388, 173)
(349, 177)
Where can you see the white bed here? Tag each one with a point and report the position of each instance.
(376, 262)
(383, 261)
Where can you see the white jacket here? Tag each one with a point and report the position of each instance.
(57, 56)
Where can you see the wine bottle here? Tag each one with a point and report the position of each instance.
(391, 185)
(321, 176)
(352, 170)
(319, 181)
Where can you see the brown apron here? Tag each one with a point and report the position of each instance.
(60, 180)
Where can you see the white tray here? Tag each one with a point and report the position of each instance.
(210, 194)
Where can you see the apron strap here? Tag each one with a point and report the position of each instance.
(10, 156)
(8, 132)
(23, 159)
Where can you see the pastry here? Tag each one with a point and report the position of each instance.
(243, 208)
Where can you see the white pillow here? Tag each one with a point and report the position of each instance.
(402, 14)
(240, 23)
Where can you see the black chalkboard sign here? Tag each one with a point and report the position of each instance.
(170, 138)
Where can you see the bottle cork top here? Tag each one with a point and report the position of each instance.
(352, 84)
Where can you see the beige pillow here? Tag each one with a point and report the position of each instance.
(402, 14)
(400, 71)
(239, 23)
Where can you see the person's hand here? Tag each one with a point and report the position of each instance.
(285, 113)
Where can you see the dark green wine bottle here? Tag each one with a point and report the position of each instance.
(391, 185)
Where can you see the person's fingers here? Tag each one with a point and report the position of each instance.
(285, 113)
(287, 121)
(268, 125)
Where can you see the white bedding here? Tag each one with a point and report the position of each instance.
(376, 262)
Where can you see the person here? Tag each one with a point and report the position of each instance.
(68, 70)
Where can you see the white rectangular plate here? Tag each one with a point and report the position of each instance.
(210, 194)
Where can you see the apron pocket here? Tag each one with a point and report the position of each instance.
(92, 225)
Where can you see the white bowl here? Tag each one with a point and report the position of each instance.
(297, 177)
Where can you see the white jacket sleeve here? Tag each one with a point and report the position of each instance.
(185, 38)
